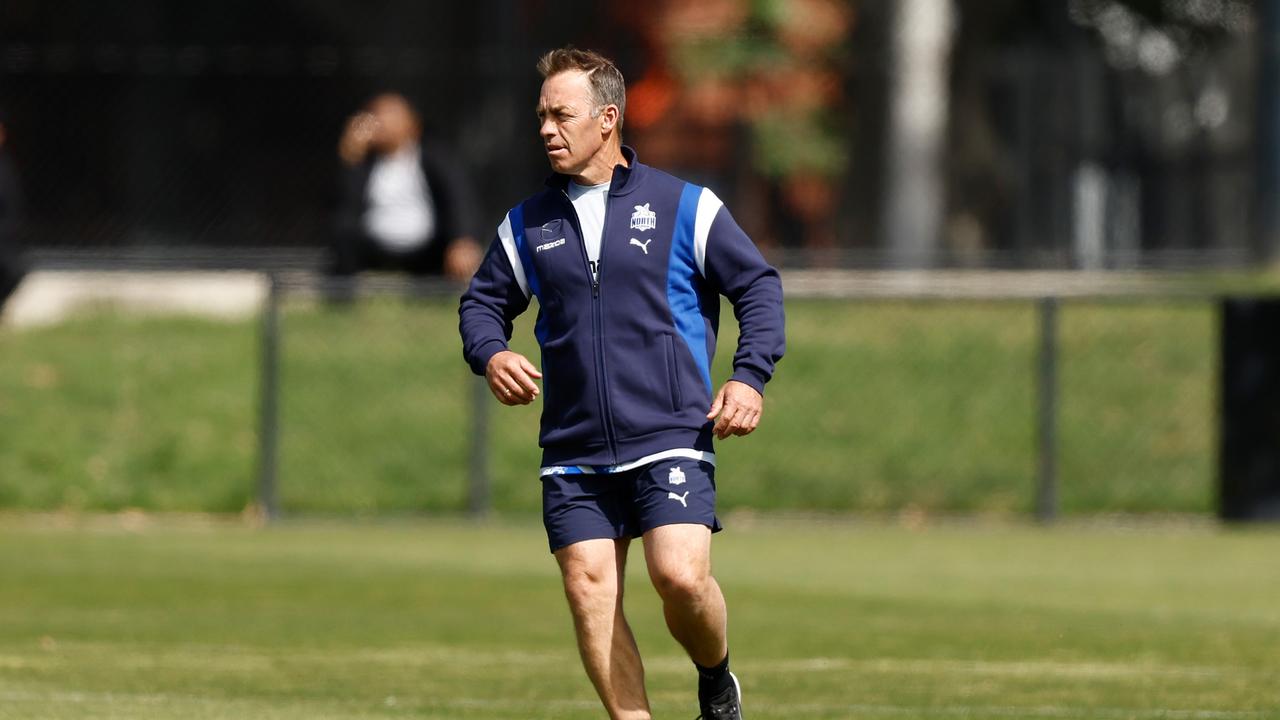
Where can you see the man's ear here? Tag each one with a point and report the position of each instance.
(609, 117)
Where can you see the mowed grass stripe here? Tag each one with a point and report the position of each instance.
(212, 658)
(448, 619)
(517, 709)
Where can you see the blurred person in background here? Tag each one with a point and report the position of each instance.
(405, 204)
(628, 264)
(12, 268)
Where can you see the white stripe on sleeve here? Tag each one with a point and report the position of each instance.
(708, 206)
(509, 245)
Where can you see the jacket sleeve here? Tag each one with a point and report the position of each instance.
(453, 191)
(496, 296)
(11, 200)
(735, 268)
(346, 198)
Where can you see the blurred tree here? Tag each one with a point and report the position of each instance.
(1087, 128)
(918, 105)
(770, 68)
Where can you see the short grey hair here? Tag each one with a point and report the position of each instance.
(607, 85)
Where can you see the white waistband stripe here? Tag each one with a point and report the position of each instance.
(687, 453)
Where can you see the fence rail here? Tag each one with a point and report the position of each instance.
(1048, 294)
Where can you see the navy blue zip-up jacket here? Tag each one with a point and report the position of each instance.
(626, 356)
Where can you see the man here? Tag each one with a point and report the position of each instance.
(627, 264)
(12, 269)
(404, 205)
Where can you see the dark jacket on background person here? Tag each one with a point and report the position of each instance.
(626, 356)
(452, 198)
(12, 268)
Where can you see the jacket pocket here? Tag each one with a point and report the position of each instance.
(673, 374)
(570, 404)
(639, 383)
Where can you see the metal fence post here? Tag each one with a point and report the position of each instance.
(268, 401)
(1047, 411)
(1267, 168)
(478, 494)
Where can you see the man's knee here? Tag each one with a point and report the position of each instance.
(588, 586)
(681, 582)
(589, 581)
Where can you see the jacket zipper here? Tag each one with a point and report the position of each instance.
(594, 272)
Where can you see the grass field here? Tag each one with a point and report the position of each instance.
(143, 618)
(878, 406)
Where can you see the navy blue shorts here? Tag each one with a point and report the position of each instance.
(629, 503)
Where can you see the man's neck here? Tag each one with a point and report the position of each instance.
(402, 148)
(600, 169)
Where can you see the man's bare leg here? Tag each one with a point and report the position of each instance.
(594, 572)
(679, 561)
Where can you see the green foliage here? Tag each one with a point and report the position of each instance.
(789, 144)
(729, 57)
(789, 136)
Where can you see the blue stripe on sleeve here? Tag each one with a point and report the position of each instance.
(530, 271)
(522, 247)
(682, 295)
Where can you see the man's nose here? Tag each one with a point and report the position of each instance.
(547, 130)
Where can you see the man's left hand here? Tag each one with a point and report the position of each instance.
(462, 259)
(738, 406)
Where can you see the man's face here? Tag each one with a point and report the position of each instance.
(394, 124)
(570, 136)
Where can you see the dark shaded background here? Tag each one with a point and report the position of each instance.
(152, 124)
(160, 123)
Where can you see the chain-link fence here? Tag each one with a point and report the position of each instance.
(881, 404)
(885, 401)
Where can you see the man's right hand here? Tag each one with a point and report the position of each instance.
(356, 138)
(511, 378)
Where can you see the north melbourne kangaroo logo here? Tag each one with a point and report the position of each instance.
(642, 245)
(676, 476)
(644, 218)
(681, 498)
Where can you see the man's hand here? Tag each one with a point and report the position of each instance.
(739, 407)
(511, 378)
(356, 137)
(462, 258)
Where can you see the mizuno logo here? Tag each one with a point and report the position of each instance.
(548, 246)
(681, 498)
(642, 245)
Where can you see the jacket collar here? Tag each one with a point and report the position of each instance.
(625, 177)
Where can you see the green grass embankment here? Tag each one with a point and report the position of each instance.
(878, 406)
